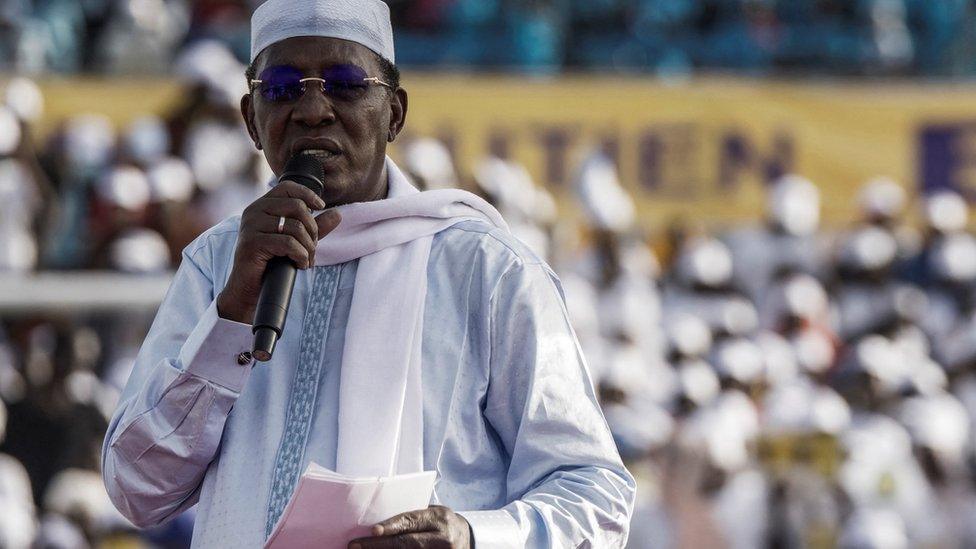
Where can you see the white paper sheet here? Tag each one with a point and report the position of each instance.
(328, 510)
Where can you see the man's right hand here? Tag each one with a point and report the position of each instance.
(259, 240)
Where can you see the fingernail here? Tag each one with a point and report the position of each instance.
(319, 203)
(377, 530)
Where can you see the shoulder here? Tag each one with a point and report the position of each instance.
(502, 263)
(213, 251)
(215, 238)
(484, 238)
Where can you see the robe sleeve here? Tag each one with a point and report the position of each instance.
(566, 483)
(170, 418)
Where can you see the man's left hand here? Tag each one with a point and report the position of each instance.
(435, 526)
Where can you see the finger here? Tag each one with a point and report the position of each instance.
(411, 521)
(290, 189)
(283, 245)
(327, 221)
(293, 208)
(424, 540)
(291, 227)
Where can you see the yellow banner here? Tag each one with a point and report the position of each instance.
(701, 149)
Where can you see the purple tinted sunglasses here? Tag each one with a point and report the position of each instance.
(284, 83)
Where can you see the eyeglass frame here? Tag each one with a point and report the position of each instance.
(373, 80)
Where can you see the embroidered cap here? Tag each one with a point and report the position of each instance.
(365, 22)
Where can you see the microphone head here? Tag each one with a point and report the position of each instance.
(306, 170)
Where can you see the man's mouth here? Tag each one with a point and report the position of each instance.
(323, 149)
(322, 155)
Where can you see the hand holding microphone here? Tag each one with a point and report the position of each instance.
(277, 235)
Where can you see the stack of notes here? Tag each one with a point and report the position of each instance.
(327, 510)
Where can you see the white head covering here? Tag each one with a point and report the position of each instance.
(794, 203)
(212, 64)
(140, 251)
(945, 211)
(171, 179)
(88, 140)
(955, 258)
(688, 335)
(882, 197)
(125, 187)
(147, 139)
(365, 22)
(706, 261)
(869, 249)
(429, 158)
(24, 98)
(605, 202)
(739, 359)
(9, 131)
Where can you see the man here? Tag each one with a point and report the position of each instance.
(475, 345)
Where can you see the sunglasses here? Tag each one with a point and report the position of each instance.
(284, 83)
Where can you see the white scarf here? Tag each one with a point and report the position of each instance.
(380, 388)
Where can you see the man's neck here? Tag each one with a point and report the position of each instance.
(383, 190)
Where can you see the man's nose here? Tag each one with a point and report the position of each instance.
(314, 107)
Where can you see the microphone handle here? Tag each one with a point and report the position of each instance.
(272, 308)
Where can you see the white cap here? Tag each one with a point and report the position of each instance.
(89, 139)
(57, 531)
(794, 203)
(938, 422)
(869, 249)
(18, 252)
(954, 258)
(876, 355)
(125, 187)
(688, 334)
(140, 251)
(802, 406)
(9, 131)
(737, 316)
(211, 63)
(78, 492)
(171, 180)
(882, 197)
(814, 351)
(509, 186)
(604, 200)
(24, 98)
(217, 153)
(705, 261)
(779, 360)
(804, 297)
(698, 381)
(739, 359)
(365, 22)
(946, 211)
(429, 158)
(147, 139)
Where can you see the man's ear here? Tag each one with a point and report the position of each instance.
(398, 113)
(247, 112)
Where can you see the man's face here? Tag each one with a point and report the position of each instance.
(354, 133)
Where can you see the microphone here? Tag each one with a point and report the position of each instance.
(279, 276)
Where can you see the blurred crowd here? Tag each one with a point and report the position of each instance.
(866, 37)
(776, 384)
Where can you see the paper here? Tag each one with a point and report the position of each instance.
(328, 510)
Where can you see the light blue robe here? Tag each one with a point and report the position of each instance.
(511, 422)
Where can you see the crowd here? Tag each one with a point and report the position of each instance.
(781, 383)
(866, 37)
